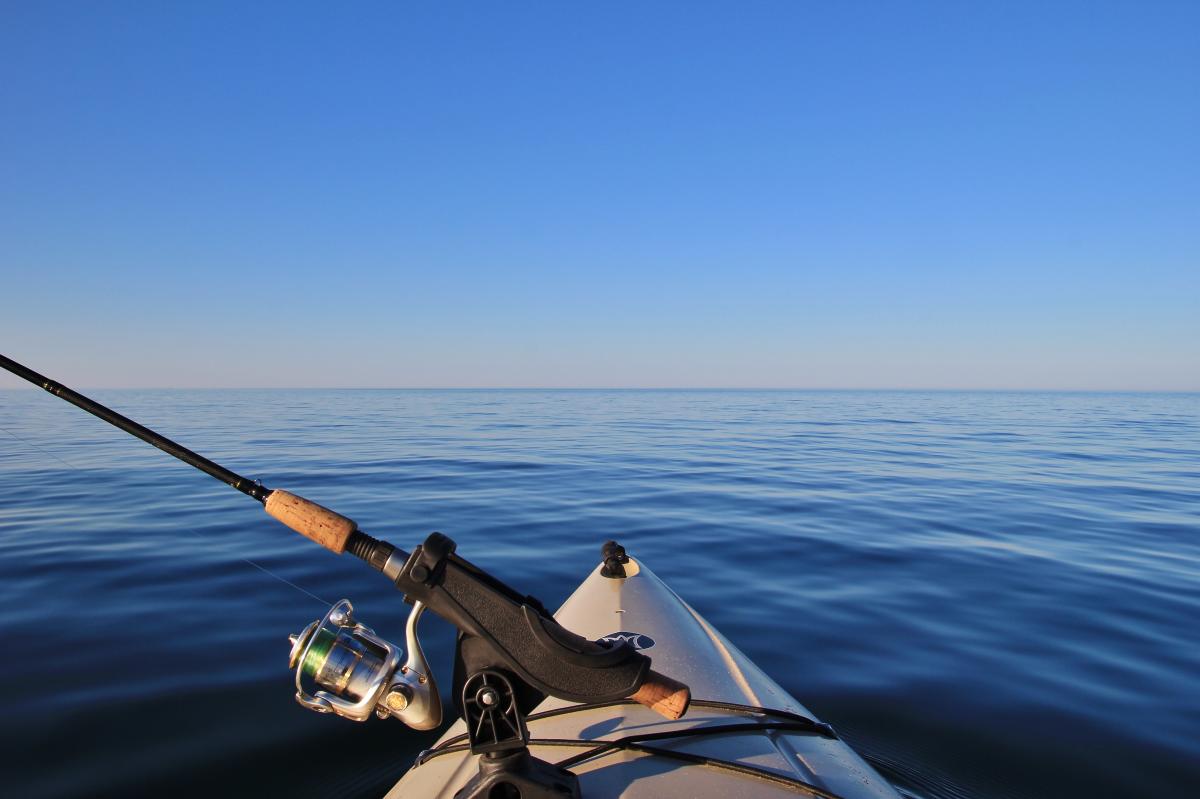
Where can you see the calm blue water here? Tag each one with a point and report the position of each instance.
(989, 594)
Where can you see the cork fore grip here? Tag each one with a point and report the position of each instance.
(667, 697)
(330, 530)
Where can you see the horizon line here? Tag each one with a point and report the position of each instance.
(830, 389)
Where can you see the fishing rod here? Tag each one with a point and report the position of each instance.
(510, 652)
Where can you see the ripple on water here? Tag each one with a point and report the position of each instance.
(992, 595)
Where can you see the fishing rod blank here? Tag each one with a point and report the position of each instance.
(329, 529)
(249, 487)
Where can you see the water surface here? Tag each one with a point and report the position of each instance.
(988, 594)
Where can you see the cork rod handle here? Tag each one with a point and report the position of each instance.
(667, 697)
(330, 530)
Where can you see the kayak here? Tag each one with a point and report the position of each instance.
(743, 734)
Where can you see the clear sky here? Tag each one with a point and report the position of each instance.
(776, 194)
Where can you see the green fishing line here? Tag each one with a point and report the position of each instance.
(318, 652)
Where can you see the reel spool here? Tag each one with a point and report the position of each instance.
(343, 667)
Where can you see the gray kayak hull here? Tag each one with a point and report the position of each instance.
(684, 646)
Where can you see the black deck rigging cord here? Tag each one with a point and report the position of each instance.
(781, 720)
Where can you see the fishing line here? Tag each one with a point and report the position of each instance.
(31, 445)
(198, 535)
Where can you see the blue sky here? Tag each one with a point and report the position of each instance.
(790, 194)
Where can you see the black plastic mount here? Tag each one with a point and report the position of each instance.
(497, 731)
(503, 631)
(614, 560)
(491, 711)
(517, 775)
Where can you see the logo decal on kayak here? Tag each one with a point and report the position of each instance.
(635, 640)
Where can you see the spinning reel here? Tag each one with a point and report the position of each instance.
(343, 667)
(510, 654)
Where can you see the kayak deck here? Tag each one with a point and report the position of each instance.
(728, 689)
